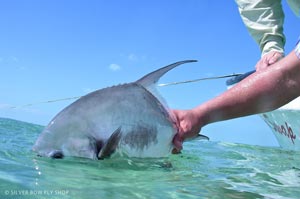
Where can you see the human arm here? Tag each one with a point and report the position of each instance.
(262, 91)
(264, 20)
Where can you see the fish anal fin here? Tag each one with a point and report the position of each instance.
(56, 154)
(110, 145)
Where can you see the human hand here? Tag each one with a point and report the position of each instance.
(268, 59)
(188, 127)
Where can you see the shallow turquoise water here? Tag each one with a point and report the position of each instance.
(203, 170)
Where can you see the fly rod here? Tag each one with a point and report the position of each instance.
(200, 79)
(160, 85)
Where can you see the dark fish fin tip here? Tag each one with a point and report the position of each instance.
(197, 137)
(154, 76)
(56, 154)
(110, 145)
(203, 137)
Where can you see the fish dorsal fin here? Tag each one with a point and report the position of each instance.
(153, 77)
(110, 145)
(149, 81)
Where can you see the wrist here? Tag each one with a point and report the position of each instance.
(201, 115)
(273, 46)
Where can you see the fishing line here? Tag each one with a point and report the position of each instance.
(201, 79)
(160, 85)
(44, 102)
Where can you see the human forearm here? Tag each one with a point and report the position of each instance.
(261, 92)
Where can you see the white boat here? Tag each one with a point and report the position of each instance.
(284, 122)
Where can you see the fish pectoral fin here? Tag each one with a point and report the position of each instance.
(202, 137)
(56, 154)
(110, 145)
(197, 137)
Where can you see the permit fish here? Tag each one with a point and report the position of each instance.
(130, 119)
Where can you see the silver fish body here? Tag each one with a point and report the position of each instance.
(129, 119)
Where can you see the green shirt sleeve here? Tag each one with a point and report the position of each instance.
(295, 6)
(264, 21)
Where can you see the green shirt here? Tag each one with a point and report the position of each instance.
(264, 21)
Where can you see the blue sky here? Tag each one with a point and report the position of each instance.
(54, 49)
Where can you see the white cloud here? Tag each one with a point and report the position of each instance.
(114, 67)
(9, 60)
(6, 106)
(13, 62)
(13, 59)
(132, 57)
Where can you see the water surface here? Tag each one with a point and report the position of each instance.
(204, 170)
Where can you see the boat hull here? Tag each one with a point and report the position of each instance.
(285, 124)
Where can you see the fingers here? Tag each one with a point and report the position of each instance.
(188, 126)
(268, 59)
(275, 57)
(261, 65)
(178, 138)
(177, 142)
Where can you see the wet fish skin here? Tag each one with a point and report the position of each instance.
(130, 119)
